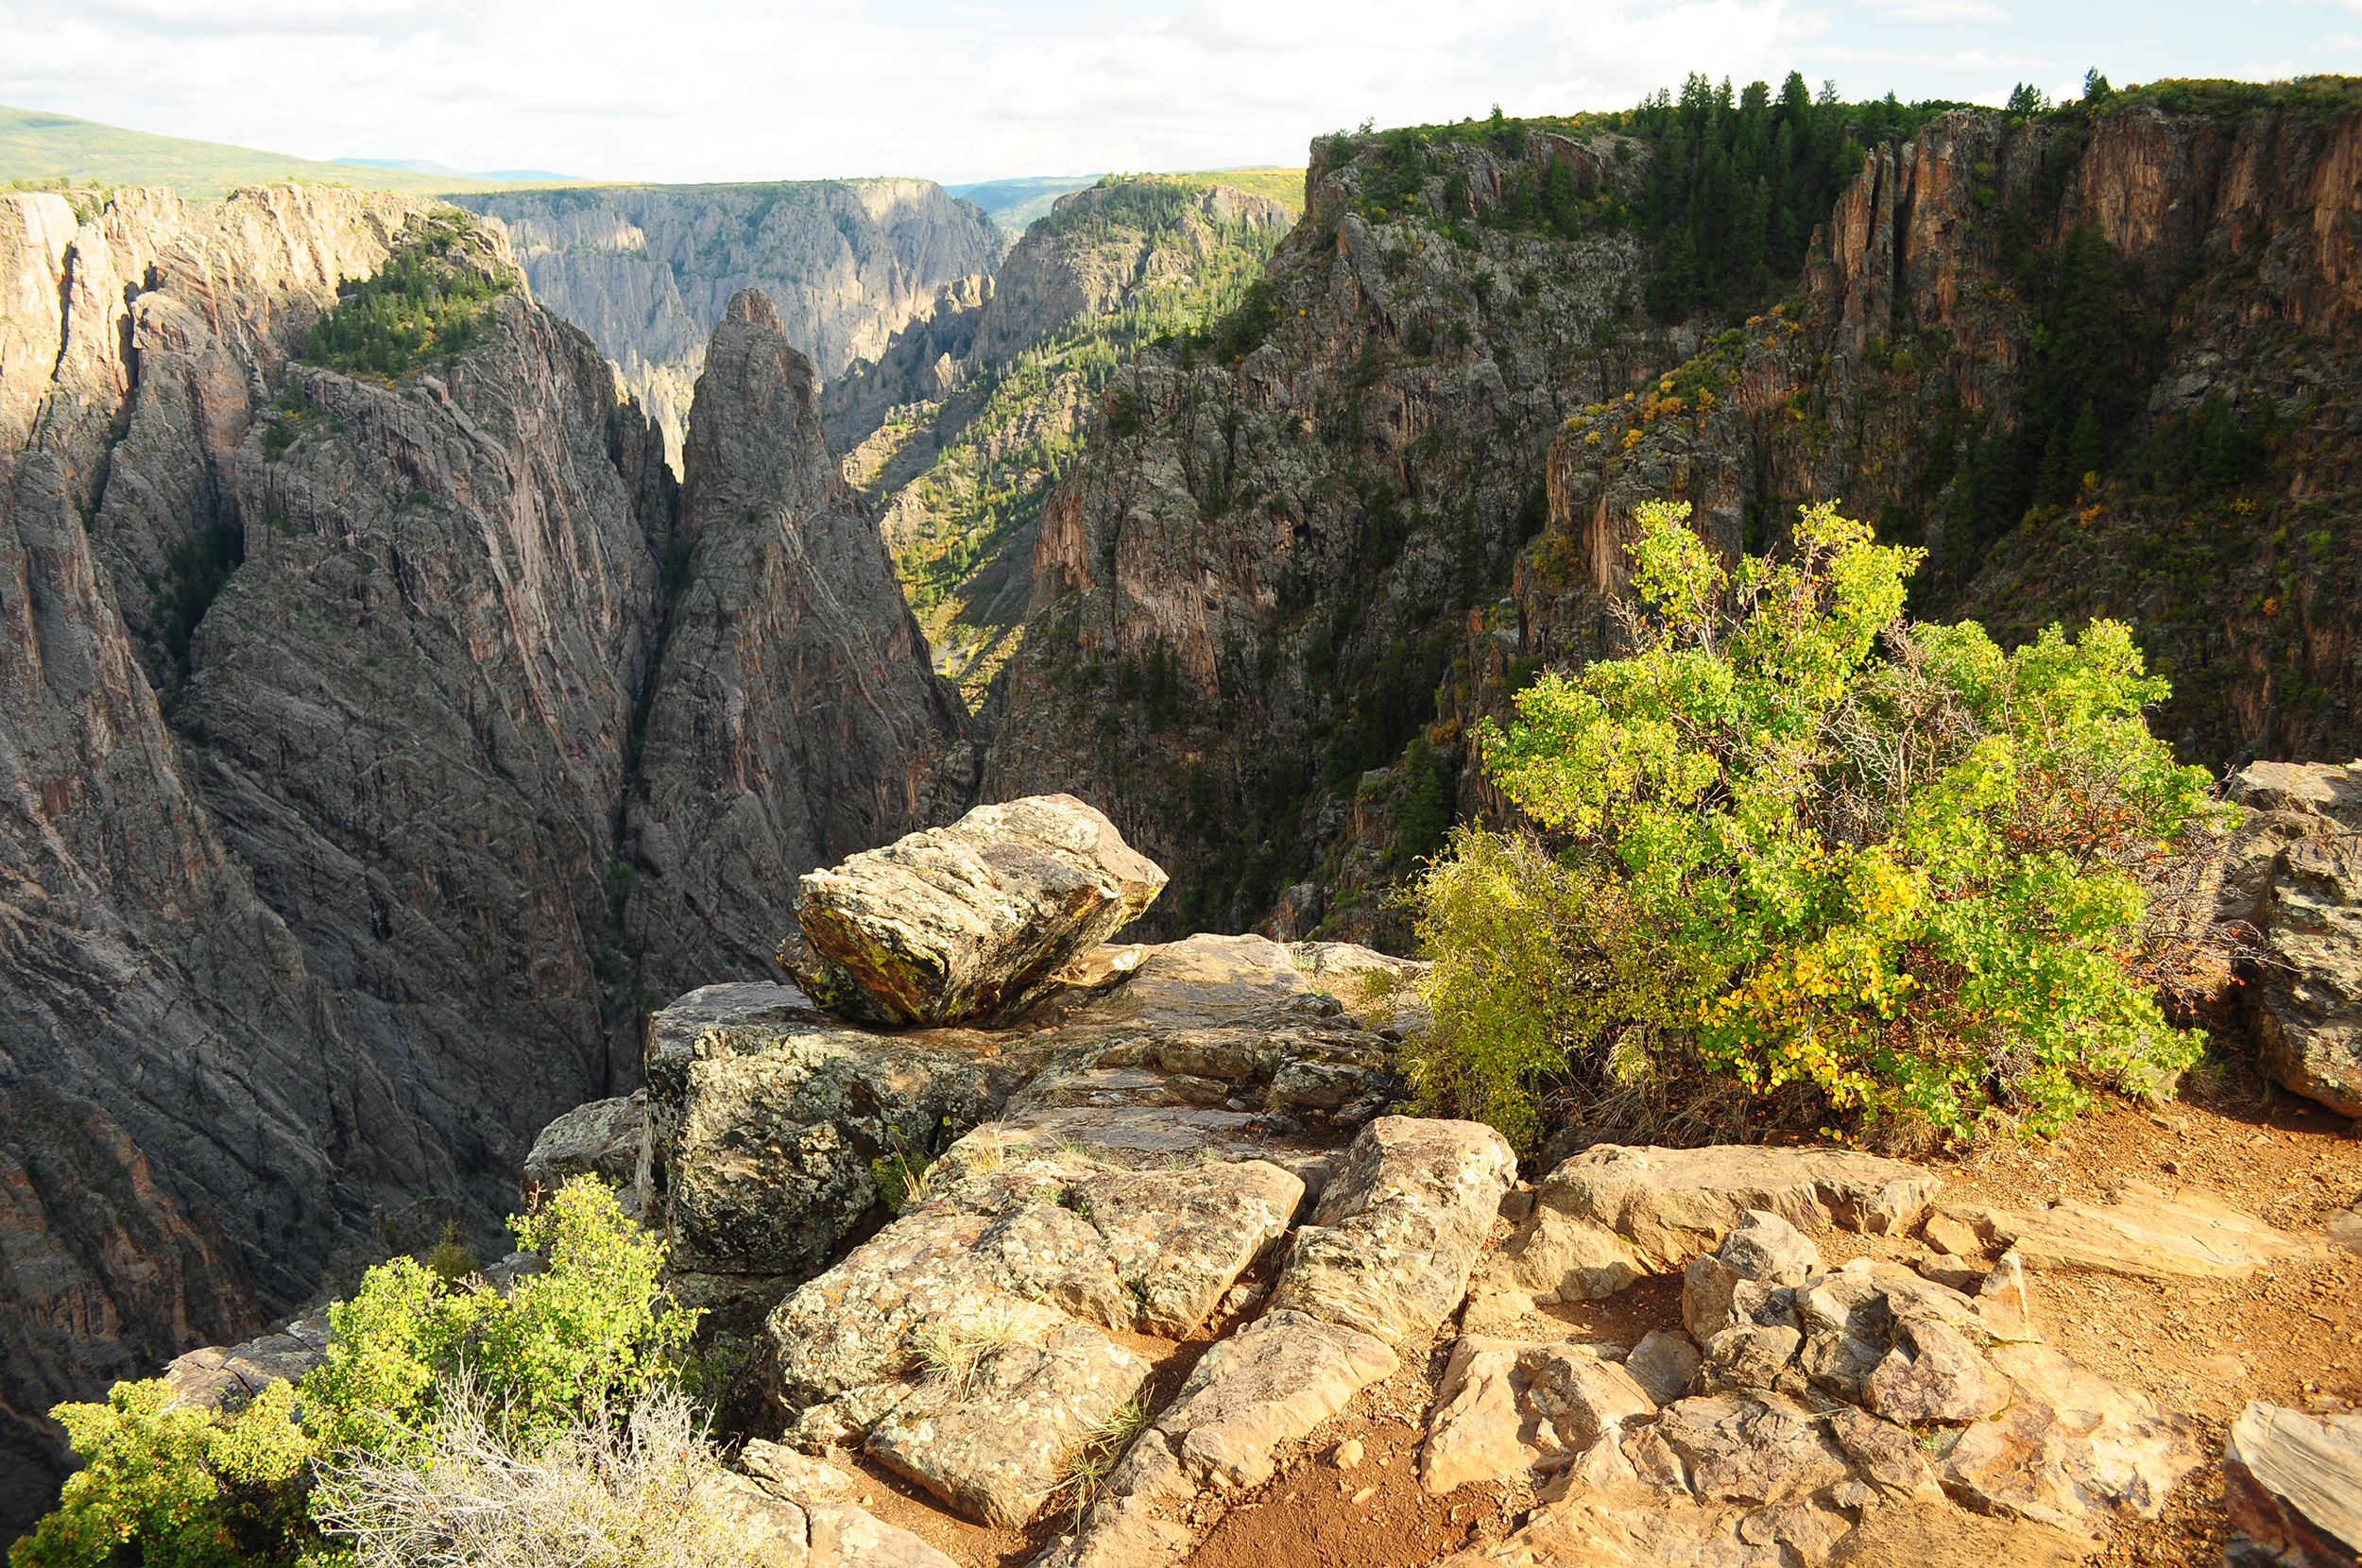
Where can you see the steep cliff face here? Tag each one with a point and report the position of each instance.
(337, 584)
(648, 270)
(959, 429)
(1286, 532)
(795, 719)
(170, 1072)
(2097, 364)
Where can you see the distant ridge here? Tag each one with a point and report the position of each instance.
(1015, 202)
(425, 165)
(37, 147)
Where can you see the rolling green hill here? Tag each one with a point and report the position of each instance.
(40, 148)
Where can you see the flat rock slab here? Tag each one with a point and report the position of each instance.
(2145, 1234)
(969, 920)
(2293, 1483)
(1392, 1240)
(1671, 1204)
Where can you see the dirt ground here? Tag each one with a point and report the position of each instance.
(2291, 1335)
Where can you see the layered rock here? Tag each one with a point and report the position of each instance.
(649, 271)
(794, 719)
(353, 926)
(969, 920)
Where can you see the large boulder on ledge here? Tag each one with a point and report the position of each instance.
(969, 920)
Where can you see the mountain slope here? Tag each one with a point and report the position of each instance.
(1248, 591)
(960, 428)
(37, 147)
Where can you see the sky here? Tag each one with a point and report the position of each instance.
(707, 90)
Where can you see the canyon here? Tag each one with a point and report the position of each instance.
(386, 745)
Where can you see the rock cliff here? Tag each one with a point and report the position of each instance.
(331, 670)
(2096, 364)
(190, 1127)
(1283, 534)
(648, 270)
(960, 428)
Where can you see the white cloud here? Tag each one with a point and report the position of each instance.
(740, 90)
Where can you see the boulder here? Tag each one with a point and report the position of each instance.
(1396, 1232)
(1671, 1204)
(770, 1531)
(601, 1139)
(970, 920)
(2146, 1233)
(2293, 1484)
(765, 1119)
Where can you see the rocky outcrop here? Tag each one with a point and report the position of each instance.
(794, 719)
(969, 920)
(1835, 1398)
(648, 271)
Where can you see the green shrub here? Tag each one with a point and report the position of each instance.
(1924, 865)
(1541, 971)
(191, 1488)
(187, 1488)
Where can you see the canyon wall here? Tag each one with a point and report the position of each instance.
(328, 690)
(648, 270)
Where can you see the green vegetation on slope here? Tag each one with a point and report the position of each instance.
(581, 1345)
(428, 302)
(57, 150)
(1030, 416)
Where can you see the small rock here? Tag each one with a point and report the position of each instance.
(1347, 1454)
(1362, 1496)
(1665, 1363)
(1952, 1273)
(1674, 1203)
(1516, 1204)
(2293, 1483)
(1763, 1254)
(1952, 1236)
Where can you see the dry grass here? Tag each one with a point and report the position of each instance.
(954, 1350)
(641, 1491)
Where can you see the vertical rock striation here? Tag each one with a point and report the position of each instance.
(794, 720)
